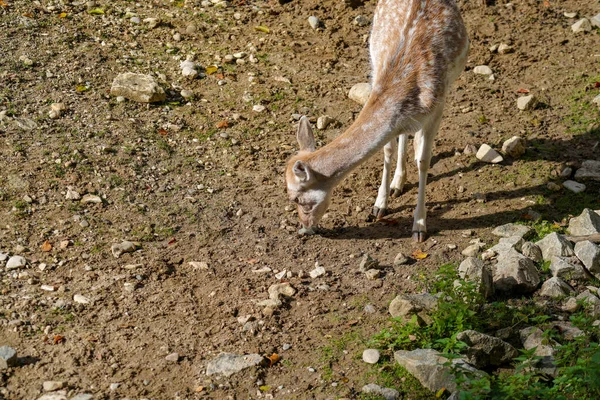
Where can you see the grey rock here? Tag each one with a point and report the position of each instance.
(427, 366)
(281, 289)
(555, 288)
(595, 20)
(360, 92)
(371, 356)
(485, 350)
(126, 246)
(511, 230)
(8, 357)
(488, 155)
(514, 147)
(574, 187)
(590, 169)
(504, 48)
(173, 357)
(507, 243)
(367, 263)
(590, 301)
(555, 244)
(314, 22)
(532, 251)
(474, 270)
(567, 268)
(370, 309)
(581, 26)
(137, 87)
(373, 274)
(515, 273)
(587, 223)
(400, 259)
(408, 305)
(386, 393)
(323, 122)
(534, 337)
(317, 272)
(51, 386)
(80, 299)
(568, 330)
(589, 254)
(16, 262)
(570, 305)
(228, 364)
(525, 103)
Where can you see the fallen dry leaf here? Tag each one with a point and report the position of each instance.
(262, 28)
(273, 359)
(222, 124)
(199, 389)
(220, 76)
(252, 261)
(58, 339)
(163, 132)
(172, 241)
(62, 15)
(524, 91)
(3, 4)
(46, 247)
(419, 255)
(211, 69)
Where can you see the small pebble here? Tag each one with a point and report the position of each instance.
(371, 356)
(314, 22)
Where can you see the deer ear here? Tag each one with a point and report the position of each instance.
(305, 136)
(301, 171)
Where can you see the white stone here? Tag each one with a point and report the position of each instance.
(360, 92)
(137, 87)
(596, 100)
(78, 298)
(504, 48)
(314, 22)
(482, 70)
(595, 20)
(581, 26)
(570, 15)
(72, 195)
(573, 186)
(489, 155)
(587, 223)
(317, 272)
(16, 262)
(51, 386)
(525, 103)
(371, 356)
(323, 122)
(258, 108)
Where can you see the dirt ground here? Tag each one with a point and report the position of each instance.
(174, 179)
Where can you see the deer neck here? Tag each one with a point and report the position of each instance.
(372, 129)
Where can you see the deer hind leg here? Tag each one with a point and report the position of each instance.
(400, 175)
(423, 147)
(380, 207)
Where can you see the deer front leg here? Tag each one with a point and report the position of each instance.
(423, 148)
(380, 207)
(400, 175)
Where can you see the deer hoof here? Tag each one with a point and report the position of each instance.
(396, 192)
(419, 237)
(379, 213)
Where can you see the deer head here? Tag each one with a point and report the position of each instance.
(306, 187)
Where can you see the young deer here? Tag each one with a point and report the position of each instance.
(418, 48)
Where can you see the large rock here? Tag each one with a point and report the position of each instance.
(16, 262)
(591, 302)
(587, 223)
(427, 366)
(515, 273)
(509, 230)
(534, 337)
(555, 244)
(590, 169)
(406, 306)
(589, 254)
(137, 87)
(507, 243)
(514, 147)
(488, 155)
(583, 25)
(532, 251)
(555, 288)
(485, 350)
(360, 92)
(228, 364)
(8, 357)
(567, 268)
(474, 270)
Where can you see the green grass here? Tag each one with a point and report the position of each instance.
(582, 113)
